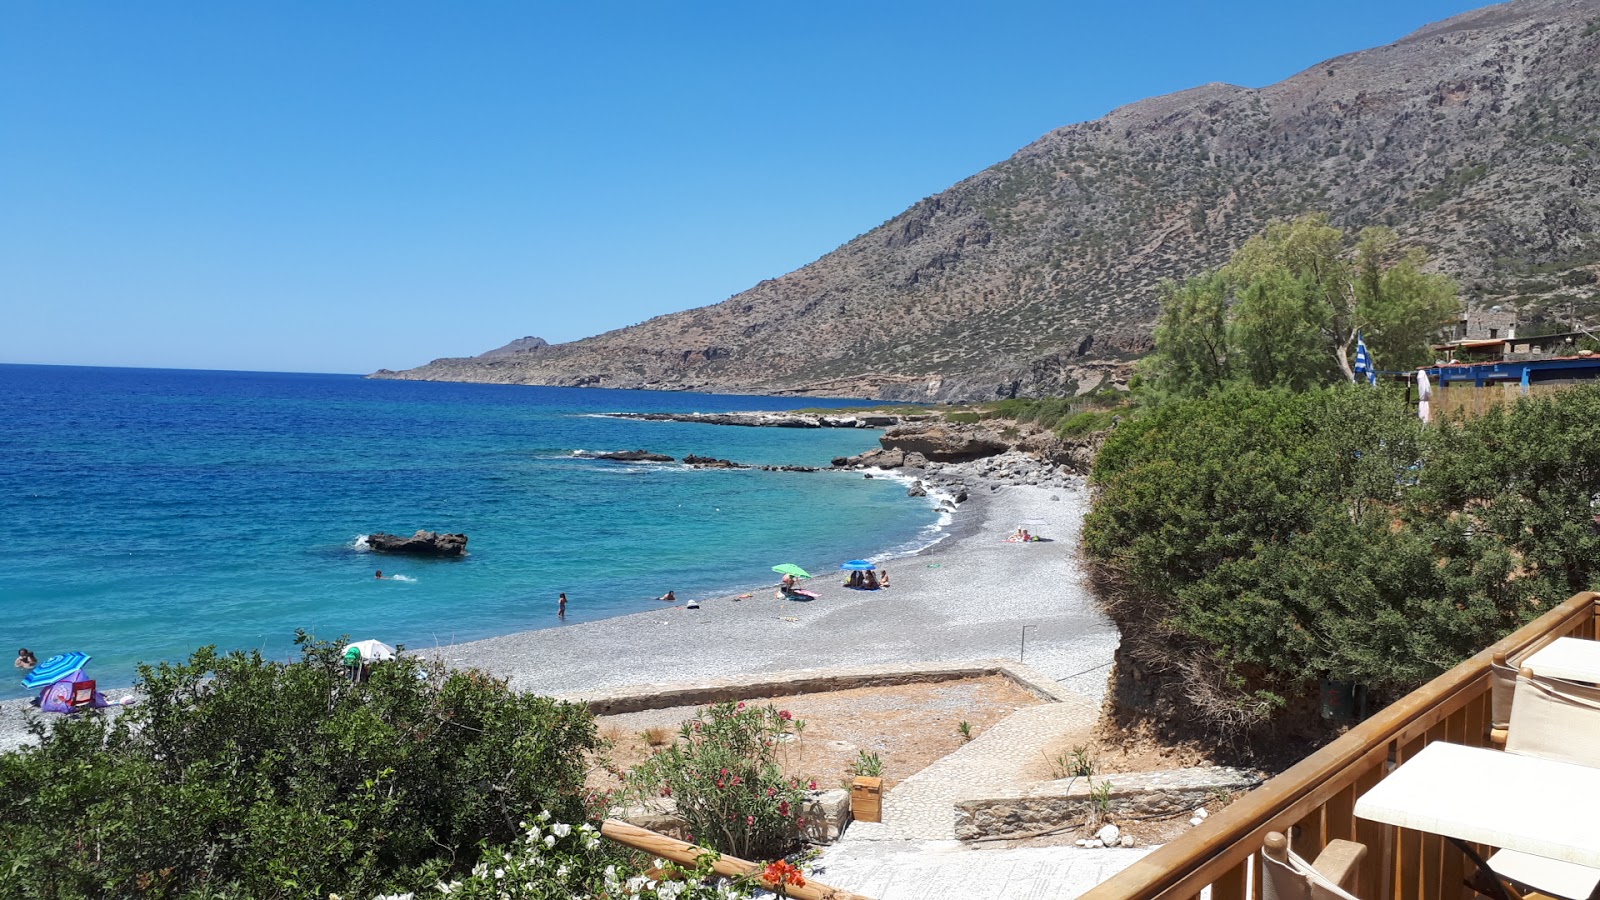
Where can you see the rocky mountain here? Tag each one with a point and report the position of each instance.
(1476, 137)
(520, 345)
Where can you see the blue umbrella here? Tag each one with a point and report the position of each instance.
(858, 565)
(55, 668)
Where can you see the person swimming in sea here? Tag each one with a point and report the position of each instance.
(26, 661)
(668, 597)
(379, 575)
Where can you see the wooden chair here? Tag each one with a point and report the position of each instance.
(1559, 720)
(1285, 876)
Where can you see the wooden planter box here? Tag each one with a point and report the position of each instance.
(866, 799)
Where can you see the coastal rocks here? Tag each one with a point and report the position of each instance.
(423, 543)
(943, 442)
(917, 490)
(634, 456)
(781, 420)
(707, 462)
(877, 459)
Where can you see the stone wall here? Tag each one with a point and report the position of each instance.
(1049, 806)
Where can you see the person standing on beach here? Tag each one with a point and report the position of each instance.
(561, 607)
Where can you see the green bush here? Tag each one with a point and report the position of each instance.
(723, 773)
(238, 777)
(1251, 542)
(1086, 422)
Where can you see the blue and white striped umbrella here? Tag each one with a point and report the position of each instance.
(55, 668)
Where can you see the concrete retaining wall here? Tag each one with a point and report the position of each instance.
(637, 698)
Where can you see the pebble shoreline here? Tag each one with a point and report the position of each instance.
(965, 598)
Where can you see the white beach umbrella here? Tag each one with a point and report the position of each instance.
(371, 650)
(1424, 396)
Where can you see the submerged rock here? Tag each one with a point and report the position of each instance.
(710, 462)
(633, 456)
(423, 543)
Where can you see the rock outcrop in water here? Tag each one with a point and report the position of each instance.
(633, 456)
(423, 543)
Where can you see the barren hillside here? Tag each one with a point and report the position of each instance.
(1476, 137)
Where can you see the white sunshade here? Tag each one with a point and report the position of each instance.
(371, 650)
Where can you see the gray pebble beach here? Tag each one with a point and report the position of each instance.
(968, 597)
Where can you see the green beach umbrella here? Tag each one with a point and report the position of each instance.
(791, 569)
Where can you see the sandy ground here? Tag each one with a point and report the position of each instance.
(968, 597)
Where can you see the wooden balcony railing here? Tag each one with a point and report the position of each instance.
(1313, 801)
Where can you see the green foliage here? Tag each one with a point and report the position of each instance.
(557, 861)
(723, 773)
(867, 764)
(1286, 309)
(1086, 422)
(238, 777)
(1253, 541)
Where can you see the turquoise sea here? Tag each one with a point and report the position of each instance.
(149, 512)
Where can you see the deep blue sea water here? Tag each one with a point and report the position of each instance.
(148, 512)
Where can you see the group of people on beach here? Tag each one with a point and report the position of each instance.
(870, 580)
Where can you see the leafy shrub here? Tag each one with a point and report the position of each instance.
(238, 777)
(1086, 422)
(1253, 541)
(724, 775)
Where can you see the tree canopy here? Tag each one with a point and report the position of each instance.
(1287, 307)
(1252, 541)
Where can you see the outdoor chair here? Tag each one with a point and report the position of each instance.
(1285, 876)
(82, 694)
(1559, 720)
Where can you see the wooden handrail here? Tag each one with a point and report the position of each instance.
(729, 866)
(1191, 862)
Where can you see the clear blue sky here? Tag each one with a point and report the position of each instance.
(339, 187)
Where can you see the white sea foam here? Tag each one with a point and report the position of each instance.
(401, 578)
(940, 500)
(360, 544)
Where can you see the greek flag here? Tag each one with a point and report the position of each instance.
(1364, 361)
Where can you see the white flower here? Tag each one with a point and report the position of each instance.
(544, 816)
(499, 873)
(550, 840)
(561, 829)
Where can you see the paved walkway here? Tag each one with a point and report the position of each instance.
(950, 870)
(922, 807)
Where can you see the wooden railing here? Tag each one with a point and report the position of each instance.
(1313, 801)
(727, 866)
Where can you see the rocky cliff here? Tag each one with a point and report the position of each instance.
(1476, 137)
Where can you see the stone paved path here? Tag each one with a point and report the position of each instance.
(923, 806)
(950, 870)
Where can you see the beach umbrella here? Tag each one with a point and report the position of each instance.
(858, 565)
(54, 669)
(791, 569)
(371, 650)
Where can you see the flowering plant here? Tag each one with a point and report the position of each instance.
(557, 861)
(779, 876)
(723, 774)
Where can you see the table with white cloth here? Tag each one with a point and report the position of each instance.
(1572, 659)
(1474, 795)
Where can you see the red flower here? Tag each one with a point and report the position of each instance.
(783, 872)
(813, 784)
(785, 715)
(783, 808)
